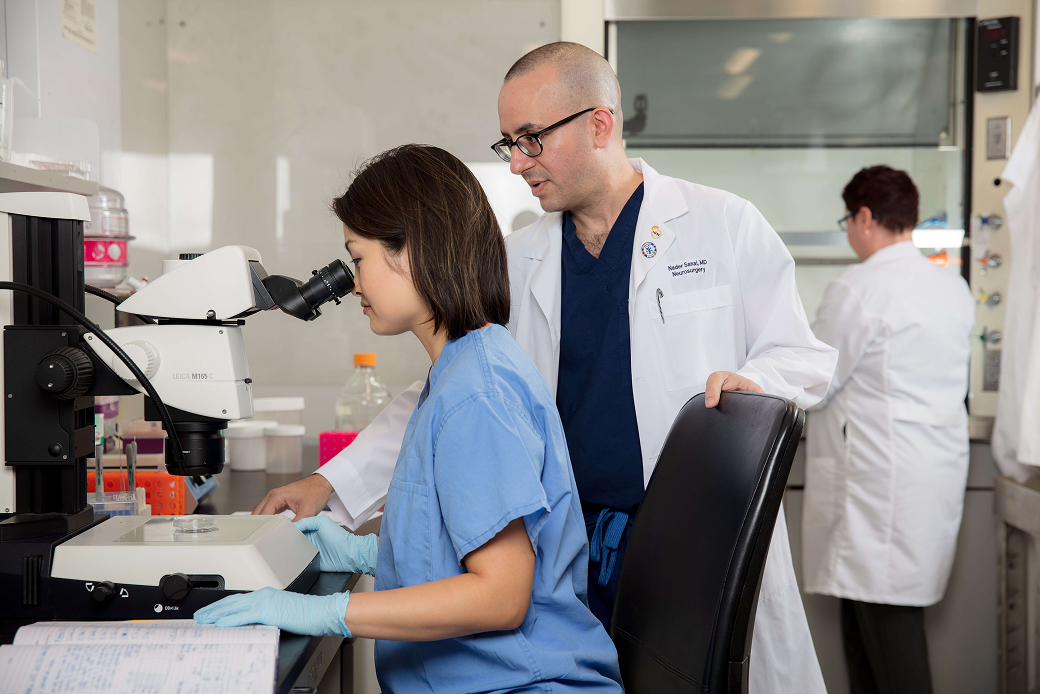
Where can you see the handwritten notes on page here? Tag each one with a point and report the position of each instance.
(161, 657)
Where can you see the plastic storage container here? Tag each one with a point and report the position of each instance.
(246, 447)
(108, 407)
(284, 448)
(282, 410)
(114, 503)
(330, 443)
(362, 397)
(105, 239)
(165, 493)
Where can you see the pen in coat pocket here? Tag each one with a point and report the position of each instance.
(660, 295)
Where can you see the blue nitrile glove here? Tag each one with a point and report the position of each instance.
(313, 615)
(340, 550)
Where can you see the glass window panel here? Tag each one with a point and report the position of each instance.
(794, 83)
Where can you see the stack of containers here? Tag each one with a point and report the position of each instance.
(108, 407)
(105, 239)
(285, 448)
(283, 432)
(246, 446)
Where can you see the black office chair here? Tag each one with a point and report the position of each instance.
(688, 590)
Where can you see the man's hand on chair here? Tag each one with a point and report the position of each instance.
(725, 380)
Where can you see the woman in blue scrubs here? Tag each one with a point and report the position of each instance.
(481, 559)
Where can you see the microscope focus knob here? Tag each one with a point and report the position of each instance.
(144, 354)
(103, 591)
(175, 586)
(65, 373)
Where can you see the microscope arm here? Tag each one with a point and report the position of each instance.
(116, 350)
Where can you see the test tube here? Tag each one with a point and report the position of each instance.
(131, 465)
(99, 471)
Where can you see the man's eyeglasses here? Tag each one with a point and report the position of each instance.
(531, 143)
(843, 223)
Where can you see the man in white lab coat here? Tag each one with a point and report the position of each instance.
(1016, 431)
(633, 293)
(887, 450)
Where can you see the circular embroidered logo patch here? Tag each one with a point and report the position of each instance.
(649, 250)
(655, 231)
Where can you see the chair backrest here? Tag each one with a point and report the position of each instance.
(689, 582)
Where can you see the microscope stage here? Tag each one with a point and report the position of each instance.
(249, 552)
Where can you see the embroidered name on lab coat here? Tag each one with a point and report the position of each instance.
(689, 267)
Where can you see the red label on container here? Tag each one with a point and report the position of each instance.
(104, 253)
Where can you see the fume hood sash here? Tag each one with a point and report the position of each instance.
(635, 10)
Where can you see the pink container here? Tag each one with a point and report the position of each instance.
(330, 443)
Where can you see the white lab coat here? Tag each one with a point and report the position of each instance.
(887, 450)
(1016, 431)
(730, 304)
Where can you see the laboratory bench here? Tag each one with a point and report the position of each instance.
(306, 664)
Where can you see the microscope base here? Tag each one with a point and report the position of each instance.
(132, 567)
(24, 526)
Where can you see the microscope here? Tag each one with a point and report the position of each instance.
(58, 559)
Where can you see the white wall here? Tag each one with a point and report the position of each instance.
(71, 81)
(242, 119)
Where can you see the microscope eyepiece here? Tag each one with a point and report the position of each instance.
(331, 282)
(302, 299)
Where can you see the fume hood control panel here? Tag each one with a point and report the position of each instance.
(998, 113)
(997, 56)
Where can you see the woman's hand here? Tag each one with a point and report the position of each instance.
(313, 615)
(305, 498)
(338, 549)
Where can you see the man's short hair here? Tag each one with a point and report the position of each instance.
(580, 68)
(888, 193)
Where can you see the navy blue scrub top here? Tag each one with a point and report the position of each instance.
(594, 390)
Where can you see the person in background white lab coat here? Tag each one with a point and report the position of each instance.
(887, 450)
(634, 293)
(1016, 431)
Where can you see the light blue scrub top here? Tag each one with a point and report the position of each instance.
(485, 446)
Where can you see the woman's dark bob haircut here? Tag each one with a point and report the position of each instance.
(424, 198)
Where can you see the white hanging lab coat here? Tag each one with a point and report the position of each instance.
(887, 451)
(729, 304)
(1016, 431)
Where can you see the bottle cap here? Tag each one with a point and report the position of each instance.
(364, 359)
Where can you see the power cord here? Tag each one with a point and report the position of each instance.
(107, 296)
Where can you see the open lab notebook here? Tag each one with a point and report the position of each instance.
(153, 657)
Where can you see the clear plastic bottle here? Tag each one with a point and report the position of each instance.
(6, 115)
(362, 398)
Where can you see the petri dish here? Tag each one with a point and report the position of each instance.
(194, 524)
